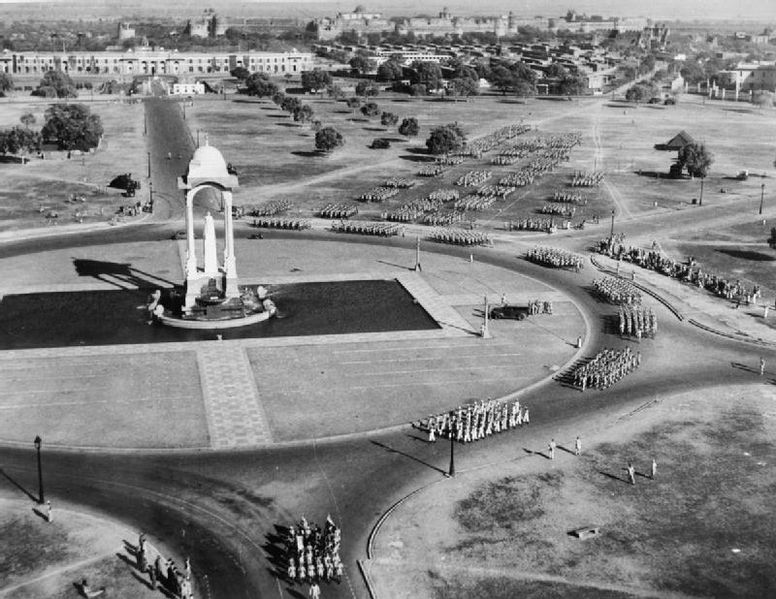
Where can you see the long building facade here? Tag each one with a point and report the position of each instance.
(153, 62)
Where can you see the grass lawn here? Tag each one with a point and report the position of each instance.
(29, 192)
(703, 527)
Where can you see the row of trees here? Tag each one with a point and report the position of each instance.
(69, 126)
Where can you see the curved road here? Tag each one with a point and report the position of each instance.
(220, 507)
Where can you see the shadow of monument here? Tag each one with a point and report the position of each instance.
(119, 274)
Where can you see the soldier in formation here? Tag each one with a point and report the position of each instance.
(275, 222)
(477, 420)
(555, 257)
(365, 228)
(312, 553)
(617, 291)
(606, 368)
(460, 237)
(637, 321)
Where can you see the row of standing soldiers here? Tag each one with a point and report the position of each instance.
(312, 554)
(476, 421)
(637, 321)
(556, 257)
(606, 368)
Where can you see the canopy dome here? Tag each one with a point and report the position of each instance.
(207, 165)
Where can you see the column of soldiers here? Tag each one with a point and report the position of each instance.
(167, 576)
(689, 271)
(275, 222)
(532, 224)
(555, 257)
(460, 237)
(312, 554)
(476, 421)
(268, 209)
(378, 194)
(637, 321)
(339, 211)
(606, 368)
(365, 228)
(473, 178)
(589, 179)
(617, 291)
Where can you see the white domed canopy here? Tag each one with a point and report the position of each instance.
(208, 166)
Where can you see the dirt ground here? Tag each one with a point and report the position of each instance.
(30, 194)
(703, 527)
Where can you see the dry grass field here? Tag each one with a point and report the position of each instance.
(702, 528)
(32, 191)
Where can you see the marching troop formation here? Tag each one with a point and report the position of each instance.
(268, 209)
(473, 178)
(637, 321)
(443, 219)
(688, 272)
(416, 208)
(606, 368)
(565, 197)
(559, 210)
(460, 237)
(474, 203)
(399, 183)
(275, 222)
(379, 194)
(589, 179)
(339, 211)
(312, 554)
(546, 225)
(617, 291)
(364, 228)
(555, 257)
(476, 421)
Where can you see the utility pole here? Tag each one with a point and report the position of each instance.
(451, 470)
(700, 200)
(417, 256)
(611, 233)
(41, 496)
(762, 197)
(148, 159)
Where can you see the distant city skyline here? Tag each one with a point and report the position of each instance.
(763, 10)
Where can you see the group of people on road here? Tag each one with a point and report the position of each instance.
(337, 210)
(637, 321)
(164, 575)
(476, 420)
(365, 228)
(537, 306)
(606, 368)
(688, 271)
(312, 554)
(554, 257)
(617, 291)
(460, 237)
(279, 222)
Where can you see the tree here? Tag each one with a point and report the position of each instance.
(502, 79)
(240, 73)
(464, 86)
(641, 92)
(418, 89)
(72, 127)
(258, 84)
(55, 84)
(427, 73)
(572, 85)
(772, 238)
(315, 80)
(361, 64)
(353, 104)
(370, 109)
(291, 104)
(6, 84)
(763, 99)
(445, 139)
(366, 89)
(328, 139)
(335, 92)
(19, 140)
(389, 119)
(390, 70)
(278, 97)
(304, 114)
(696, 159)
(27, 119)
(409, 127)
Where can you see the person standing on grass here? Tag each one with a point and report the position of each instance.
(315, 591)
(49, 515)
(578, 446)
(762, 365)
(631, 474)
(551, 447)
(654, 469)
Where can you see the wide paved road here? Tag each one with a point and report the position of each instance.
(220, 507)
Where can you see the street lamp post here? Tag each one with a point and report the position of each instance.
(611, 232)
(762, 197)
(151, 193)
(700, 199)
(41, 497)
(451, 470)
(148, 161)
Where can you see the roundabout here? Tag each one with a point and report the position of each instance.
(355, 372)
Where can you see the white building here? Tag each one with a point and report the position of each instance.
(188, 89)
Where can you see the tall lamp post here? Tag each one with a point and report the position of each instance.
(148, 162)
(41, 497)
(700, 200)
(451, 470)
(762, 197)
(611, 232)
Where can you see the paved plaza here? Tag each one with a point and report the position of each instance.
(255, 392)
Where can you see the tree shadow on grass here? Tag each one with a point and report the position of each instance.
(418, 158)
(289, 125)
(378, 129)
(307, 153)
(746, 255)
(653, 174)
